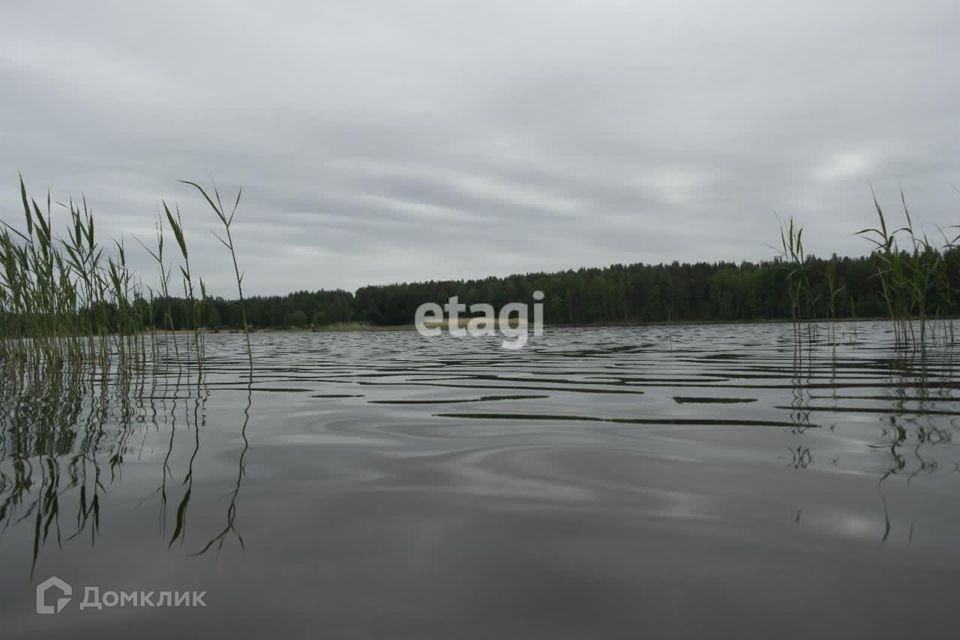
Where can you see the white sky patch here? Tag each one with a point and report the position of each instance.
(91, 72)
(848, 165)
(674, 186)
(515, 194)
(487, 187)
(424, 210)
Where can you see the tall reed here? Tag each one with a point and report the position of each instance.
(798, 286)
(227, 241)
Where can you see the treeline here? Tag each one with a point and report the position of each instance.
(838, 287)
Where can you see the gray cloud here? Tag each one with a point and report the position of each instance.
(390, 141)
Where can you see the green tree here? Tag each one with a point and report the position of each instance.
(297, 319)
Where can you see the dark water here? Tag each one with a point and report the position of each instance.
(701, 481)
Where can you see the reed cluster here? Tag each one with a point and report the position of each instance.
(69, 300)
(89, 355)
(914, 276)
(60, 299)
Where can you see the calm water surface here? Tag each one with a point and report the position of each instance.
(696, 481)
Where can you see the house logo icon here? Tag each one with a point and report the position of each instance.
(53, 582)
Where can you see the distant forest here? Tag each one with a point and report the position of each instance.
(839, 288)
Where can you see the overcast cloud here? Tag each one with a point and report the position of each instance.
(396, 141)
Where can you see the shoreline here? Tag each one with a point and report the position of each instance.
(364, 327)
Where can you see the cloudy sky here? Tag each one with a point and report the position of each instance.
(394, 141)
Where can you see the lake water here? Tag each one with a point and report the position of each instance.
(684, 481)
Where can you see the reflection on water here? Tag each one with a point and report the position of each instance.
(601, 477)
(67, 433)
